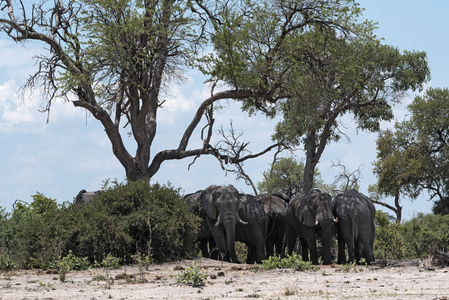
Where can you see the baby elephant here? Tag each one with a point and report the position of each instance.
(355, 227)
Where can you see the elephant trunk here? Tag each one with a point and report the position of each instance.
(229, 227)
(326, 240)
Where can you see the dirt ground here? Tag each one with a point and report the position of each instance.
(393, 280)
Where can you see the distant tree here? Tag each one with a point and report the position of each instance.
(285, 175)
(358, 77)
(115, 59)
(376, 196)
(415, 155)
(441, 206)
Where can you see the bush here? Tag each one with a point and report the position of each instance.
(289, 262)
(425, 234)
(30, 235)
(388, 240)
(127, 218)
(136, 218)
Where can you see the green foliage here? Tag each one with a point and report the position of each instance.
(388, 240)
(110, 262)
(425, 234)
(142, 260)
(71, 262)
(415, 155)
(441, 206)
(289, 262)
(31, 235)
(415, 238)
(127, 218)
(137, 217)
(285, 175)
(191, 276)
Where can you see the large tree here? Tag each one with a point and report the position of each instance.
(358, 76)
(114, 58)
(415, 155)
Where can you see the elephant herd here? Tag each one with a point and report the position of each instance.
(272, 224)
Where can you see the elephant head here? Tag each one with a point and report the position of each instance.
(314, 212)
(220, 210)
(315, 208)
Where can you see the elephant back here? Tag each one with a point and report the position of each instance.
(250, 208)
(193, 201)
(354, 203)
(273, 206)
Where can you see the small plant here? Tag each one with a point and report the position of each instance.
(290, 292)
(191, 276)
(289, 262)
(347, 267)
(111, 262)
(142, 260)
(71, 262)
(7, 286)
(6, 264)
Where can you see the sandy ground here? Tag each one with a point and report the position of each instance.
(401, 280)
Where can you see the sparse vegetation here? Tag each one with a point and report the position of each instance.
(290, 262)
(192, 276)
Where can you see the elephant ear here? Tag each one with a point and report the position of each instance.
(304, 214)
(207, 203)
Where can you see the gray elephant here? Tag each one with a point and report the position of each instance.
(205, 239)
(253, 234)
(355, 228)
(86, 197)
(308, 214)
(276, 210)
(220, 212)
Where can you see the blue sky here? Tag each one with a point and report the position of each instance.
(72, 151)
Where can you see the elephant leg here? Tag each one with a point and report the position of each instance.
(213, 249)
(367, 250)
(358, 250)
(280, 240)
(291, 242)
(270, 247)
(348, 237)
(304, 250)
(204, 249)
(310, 244)
(341, 249)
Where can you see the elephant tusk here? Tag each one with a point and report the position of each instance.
(316, 223)
(336, 220)
(243, 222)
(218, 221)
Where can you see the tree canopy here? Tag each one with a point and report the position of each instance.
(116, 59)
(414, 157)
(357, 76)
(286, 175)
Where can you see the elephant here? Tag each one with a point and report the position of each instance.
(276, 210)
(355, 228)
(307, 214)
(86, 197)
(253, 234)
(220, 212)
(205, 239)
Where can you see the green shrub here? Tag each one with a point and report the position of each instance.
(136, 217)
(289, 262)
(388, 240)
(127, 218)
(30, 235)
(425, 234)
(191, 276)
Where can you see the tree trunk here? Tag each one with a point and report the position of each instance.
(311, 161)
